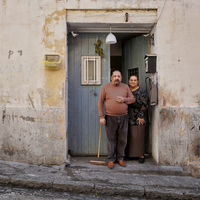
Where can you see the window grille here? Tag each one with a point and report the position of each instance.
(91, 70)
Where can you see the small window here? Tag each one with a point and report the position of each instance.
(90, 70)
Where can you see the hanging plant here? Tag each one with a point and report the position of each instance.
(98, 49)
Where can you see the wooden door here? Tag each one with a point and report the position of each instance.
(83, 116)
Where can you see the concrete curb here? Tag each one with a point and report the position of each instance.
(119, 190)
(170, 193)
(105, 189)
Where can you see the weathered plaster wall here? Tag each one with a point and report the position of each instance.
(179, 135)
(113, 4)
(32, 99)
(178, 78)
(178, 37)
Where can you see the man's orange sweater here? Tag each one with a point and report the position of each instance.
(109, 93)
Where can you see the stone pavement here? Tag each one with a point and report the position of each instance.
(148, 180)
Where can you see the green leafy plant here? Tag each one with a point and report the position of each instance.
(98, 49)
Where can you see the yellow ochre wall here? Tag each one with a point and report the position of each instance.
(32, 98)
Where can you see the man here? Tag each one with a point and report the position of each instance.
(116, 96)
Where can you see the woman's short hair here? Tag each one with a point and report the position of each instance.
(135, 76)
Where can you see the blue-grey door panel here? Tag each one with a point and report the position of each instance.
(133, 52)
(83, 117)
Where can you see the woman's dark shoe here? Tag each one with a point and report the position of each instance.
(126, 158)
(141, 160)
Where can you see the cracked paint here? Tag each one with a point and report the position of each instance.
(31, 100)
(62, 128)
(169, 98)
(179, 135)
(198, 98)
(30, 119)
(53, 29)
(53, 22)
(8, 149)
(3, 116)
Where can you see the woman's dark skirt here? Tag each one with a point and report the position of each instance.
(135, 142)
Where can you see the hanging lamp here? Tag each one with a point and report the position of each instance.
(111, 39)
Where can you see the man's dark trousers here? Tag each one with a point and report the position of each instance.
(116, 129)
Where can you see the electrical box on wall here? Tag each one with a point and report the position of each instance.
(150, 63)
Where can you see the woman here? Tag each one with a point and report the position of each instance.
(137, 120)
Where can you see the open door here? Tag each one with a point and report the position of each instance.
(132, 63)
(133, 52)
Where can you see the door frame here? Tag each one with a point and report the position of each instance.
(69, 28)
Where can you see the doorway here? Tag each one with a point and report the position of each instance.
(127, 56)
(83, 118)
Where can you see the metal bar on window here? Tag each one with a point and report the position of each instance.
(87, 69)
(97, 69)
(94, 71)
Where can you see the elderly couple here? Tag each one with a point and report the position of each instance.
(125, 118)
